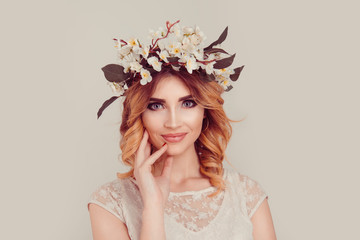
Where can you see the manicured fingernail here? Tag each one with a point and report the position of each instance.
(164, 144)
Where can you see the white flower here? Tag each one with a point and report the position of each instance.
(125, 50)
(161, 45)
(163, 55)
(195, 39)
(133, 42)
(116, 87)
(145, 76)
(200, 34)
(223, 81)
(117, 43)
(188, 30)
(176, 50)
(209, 67)
(157, 34)
(145, 51)
(127, 60)
(178, 32)
(135, 66)
(154, 62)
(191, 64)
(187, 45)
(199, 54)
(161, 32)
(226, 72)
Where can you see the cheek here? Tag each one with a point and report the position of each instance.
(148, 122)
(151, 124)
(195, 119)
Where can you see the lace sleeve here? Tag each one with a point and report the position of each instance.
(108, 198)
(254, 194)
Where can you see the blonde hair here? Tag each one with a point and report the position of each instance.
(216, 128)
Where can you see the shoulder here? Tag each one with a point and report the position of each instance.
(112, 188)
(247, 188)
(245, 181)
(110, 196)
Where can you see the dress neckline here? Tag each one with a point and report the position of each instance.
(201, 191)
(191, 192)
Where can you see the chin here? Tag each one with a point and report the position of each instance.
(176, 150)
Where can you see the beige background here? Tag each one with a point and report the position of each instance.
(299, 92)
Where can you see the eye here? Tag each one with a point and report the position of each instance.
(155, 106)
(189, 103)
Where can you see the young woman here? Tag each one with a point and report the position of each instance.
(174, 135)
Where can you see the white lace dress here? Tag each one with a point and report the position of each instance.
(190, 214)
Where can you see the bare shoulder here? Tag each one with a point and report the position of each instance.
(263, 227)
(105, 226)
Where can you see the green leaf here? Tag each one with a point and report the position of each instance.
(115, 73)
(236, 75)
(225, 62)
(106, 104)
(220, 39)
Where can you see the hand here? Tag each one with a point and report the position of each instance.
(154, 190)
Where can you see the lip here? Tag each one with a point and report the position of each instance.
(174, 137)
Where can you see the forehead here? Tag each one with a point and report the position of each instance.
(170, 87)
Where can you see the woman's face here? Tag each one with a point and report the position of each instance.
(173, 117)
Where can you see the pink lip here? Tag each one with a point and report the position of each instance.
(173, 138)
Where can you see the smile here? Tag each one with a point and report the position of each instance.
(173, 138)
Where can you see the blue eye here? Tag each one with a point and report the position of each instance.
(155, 106)
(189, 103)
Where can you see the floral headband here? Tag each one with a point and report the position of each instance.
(179, 48)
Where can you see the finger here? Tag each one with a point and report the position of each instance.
(155, 156)
(144, 141)
(147, 150)
(140, 153)
(166, 172)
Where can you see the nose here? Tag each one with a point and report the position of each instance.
(173, 119)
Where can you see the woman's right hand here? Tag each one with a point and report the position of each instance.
(154, 190)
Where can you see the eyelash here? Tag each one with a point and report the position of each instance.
(151, 105)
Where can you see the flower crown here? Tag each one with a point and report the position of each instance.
(179, 48)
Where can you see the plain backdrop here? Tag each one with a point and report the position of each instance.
(298, 93)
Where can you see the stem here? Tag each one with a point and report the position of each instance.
(122, 41)
(171, 63)
(168, 26)
(206, 62)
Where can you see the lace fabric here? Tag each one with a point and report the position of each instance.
(190, 214)
(194, 210)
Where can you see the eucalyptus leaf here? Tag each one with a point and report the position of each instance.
(173, 59)
(106, 104)
(236, 75)
(225, 62)
(220, 39)
(228, 88)
(115, 73)
(215, 50)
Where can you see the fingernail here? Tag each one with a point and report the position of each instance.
(164, 144)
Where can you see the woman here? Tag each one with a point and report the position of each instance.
(174, 135)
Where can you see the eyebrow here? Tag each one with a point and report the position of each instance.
(163, 100)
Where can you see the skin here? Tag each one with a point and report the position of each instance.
(176, 166)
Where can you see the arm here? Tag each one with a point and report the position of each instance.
(154, 192)
(105, 226)
(263, 227)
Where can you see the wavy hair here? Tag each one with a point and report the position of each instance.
(216, 129)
